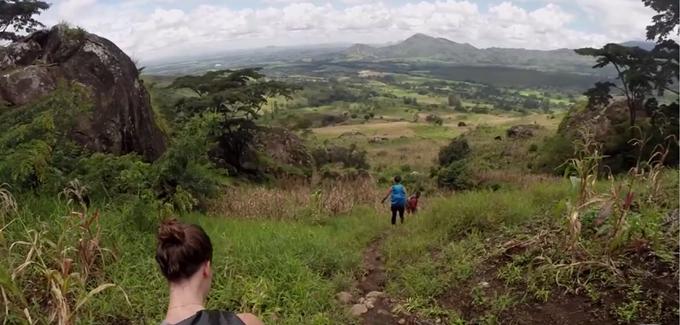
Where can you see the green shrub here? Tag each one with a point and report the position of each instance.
(106, 174)
(456, 150)
(455, 176)
(185, 169)
(434, 119)
(553, 154)
(349, 157)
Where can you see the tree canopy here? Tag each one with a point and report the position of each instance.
(16, 17)
(641, 73)
(236, 98)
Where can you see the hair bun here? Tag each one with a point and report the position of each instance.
(171, 232)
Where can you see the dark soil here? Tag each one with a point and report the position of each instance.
(658, 283)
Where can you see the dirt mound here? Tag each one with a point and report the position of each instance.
(122, 120)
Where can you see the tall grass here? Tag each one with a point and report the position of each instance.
(284, 271)
(446, 241)
(49, 274)
(297, 201)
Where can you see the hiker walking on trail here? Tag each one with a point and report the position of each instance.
(412, 203)
(397, 192)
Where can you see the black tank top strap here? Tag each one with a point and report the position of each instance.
(216, 317)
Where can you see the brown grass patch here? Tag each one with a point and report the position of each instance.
(297, 201)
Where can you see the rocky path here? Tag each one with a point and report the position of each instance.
(373, 306)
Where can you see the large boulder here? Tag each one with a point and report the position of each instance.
(273, 152)
(283, 147)
(121, 120)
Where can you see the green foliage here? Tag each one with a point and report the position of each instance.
(457, 149)
(16, 17)
(666, 20)
(235, 97)
(35, 137)
(434, 119)
(641, 72)
(185, 175)
(110, 175)
(455, 176)
(553, 154)
(349, 157)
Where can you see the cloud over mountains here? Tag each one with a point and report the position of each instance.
(150, 29)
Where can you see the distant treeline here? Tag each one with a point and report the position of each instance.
(510, 77)
(499, 76)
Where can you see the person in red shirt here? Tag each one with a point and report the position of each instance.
(412, 203)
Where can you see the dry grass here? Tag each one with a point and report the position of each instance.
(384, 129)
(49, 277)
(419, 155)
(518, 178)
(7, 202)
(297, 201)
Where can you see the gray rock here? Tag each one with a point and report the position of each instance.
(22, 85)
(358, 310)
(383, 312)
(344, 297)
(522, 131)
(401, 321)
(121, 120)
(375, 294)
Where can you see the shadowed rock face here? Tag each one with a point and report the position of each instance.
(122, 120)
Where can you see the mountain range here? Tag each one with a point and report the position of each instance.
(416, 50)
(422, 48)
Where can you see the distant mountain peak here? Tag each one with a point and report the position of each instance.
(420, 36)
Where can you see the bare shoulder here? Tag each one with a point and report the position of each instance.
(250, 319)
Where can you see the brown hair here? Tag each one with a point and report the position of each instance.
(181, 249)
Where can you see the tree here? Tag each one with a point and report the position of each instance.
(16, 16)
(237, 98)
(455, 102)
(640, 72)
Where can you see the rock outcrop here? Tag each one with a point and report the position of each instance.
(522, 131)
(121, 120)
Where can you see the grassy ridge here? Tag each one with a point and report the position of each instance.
(470, 257)
(455, 227)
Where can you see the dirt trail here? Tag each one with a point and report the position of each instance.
(373, 281)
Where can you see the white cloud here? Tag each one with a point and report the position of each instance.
(151, 29)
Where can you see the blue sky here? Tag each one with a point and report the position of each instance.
(153, 29)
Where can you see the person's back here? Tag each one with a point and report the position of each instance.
(397, 193)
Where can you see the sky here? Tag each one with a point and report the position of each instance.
(155, 29)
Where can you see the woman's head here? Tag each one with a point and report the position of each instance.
(183, 252)
(397, 179)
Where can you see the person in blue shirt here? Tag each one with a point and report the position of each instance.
(397, 192)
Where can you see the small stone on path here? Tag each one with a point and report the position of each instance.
(383, 312)
(344, 297)
(374, 294)
(358, 310)
(402, 321)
